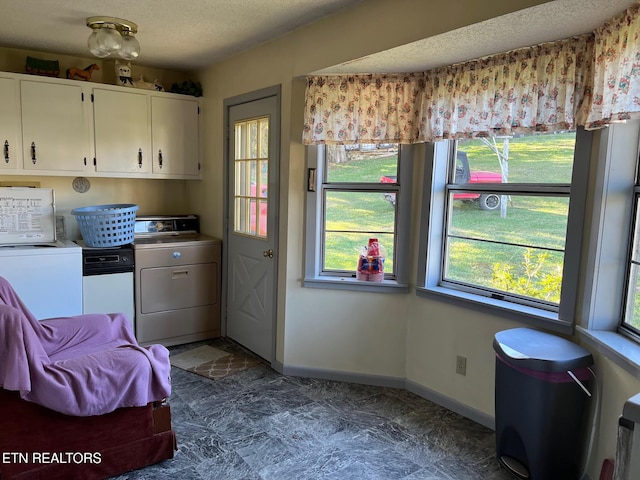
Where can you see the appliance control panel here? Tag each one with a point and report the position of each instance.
(102, 261)
(166, 225)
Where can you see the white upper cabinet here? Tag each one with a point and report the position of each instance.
(54, 127)
(51, 126)
(10, 140)
(122, 130)
(174, 127)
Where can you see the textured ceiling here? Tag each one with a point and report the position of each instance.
(173, 34)
(550, 21)
(192, 34)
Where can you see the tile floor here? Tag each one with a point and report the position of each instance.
(258, 424)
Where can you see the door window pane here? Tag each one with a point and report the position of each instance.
(251, 177)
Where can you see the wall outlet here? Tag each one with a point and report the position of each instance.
(461, 365)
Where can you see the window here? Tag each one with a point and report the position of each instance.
(606, 308)
(499, 222)
(631, 318)
(357, 193)
(509, 242)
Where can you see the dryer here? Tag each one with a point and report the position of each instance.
(177, 281)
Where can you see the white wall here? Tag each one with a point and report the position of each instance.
(152, 196)
(335, 39)
(400, 336)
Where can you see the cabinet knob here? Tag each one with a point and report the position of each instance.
(6, 151)
(176, 254)
(33, 153)
(140, 158)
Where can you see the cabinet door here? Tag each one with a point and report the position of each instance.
(10, 124)
(174, 125)
(122, 131)
(54, 130)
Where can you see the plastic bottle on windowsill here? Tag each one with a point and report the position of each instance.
(373, 249)
(371, 262)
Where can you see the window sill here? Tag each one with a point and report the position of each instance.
(620, 350)
(348, 283)
(535, 317)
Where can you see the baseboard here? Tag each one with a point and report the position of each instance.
(339, 376)
(278, 367)
(451, 404)
(390, 382)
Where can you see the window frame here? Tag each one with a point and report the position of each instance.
(603, 293)
(560, 190)
(634, 235)
(314, 276)
(433, 236)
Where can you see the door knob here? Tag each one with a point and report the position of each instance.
(268, 253)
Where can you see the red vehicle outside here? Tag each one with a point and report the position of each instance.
(486, 201)
(262, 232)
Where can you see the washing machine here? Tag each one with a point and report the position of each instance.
(47, 278)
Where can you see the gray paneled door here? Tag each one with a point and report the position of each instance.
(252, 224)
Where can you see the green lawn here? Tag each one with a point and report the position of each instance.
(536, 222)
(352, 218)
(543, 158)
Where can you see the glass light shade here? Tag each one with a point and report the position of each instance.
(130, 47)
(108, 39)
(92, 43)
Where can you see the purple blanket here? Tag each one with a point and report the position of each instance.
(84, 365)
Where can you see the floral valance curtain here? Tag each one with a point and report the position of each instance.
(364, 109)
(589, 80)
(616, 84)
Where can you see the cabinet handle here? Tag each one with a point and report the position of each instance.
(160, 158)
(33, 153)
(140, 158)
(6, 151)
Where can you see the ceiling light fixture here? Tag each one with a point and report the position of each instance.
(113, 37)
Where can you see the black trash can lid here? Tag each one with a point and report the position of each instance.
(539, 351)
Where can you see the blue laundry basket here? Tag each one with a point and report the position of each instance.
(106, 225)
